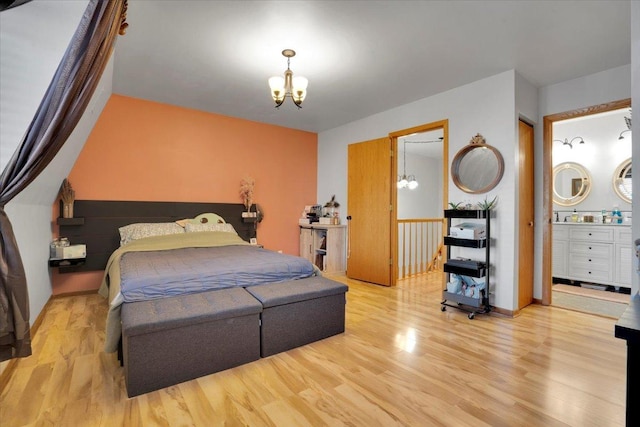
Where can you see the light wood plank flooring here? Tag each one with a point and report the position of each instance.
(401, 362)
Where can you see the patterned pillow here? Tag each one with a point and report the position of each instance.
(190, 228)
(132, 232)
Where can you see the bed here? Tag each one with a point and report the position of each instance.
(169, 265)
(190, 296)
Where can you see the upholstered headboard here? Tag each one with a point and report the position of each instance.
(96, 223)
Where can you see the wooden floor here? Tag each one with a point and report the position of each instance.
(401, 362)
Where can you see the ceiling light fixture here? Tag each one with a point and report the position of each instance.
(570, 143)
(405, 181)
(293, 87)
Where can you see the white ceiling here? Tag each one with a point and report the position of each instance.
(361, 57)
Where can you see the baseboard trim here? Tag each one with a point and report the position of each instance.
(6, 373)
(75, 293)
(502, 311)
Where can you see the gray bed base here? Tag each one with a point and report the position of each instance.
(171, 340)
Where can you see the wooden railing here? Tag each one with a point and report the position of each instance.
(420, 244)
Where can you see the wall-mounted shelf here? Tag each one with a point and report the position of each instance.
(70, 221)
(69, 262)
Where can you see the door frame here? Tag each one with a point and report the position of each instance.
(547, 184)
(440, 124)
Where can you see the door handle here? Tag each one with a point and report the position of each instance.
(530, 224)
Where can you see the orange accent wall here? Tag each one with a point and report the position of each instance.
(148, 151)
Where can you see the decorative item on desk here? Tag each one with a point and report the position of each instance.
(331, 211)
(68, 196)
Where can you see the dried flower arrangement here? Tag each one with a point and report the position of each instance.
(246, 191)
(68, 196)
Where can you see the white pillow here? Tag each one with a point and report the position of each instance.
(140, 230)
(190, 228)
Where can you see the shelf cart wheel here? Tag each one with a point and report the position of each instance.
(443, 308)
(471, 316)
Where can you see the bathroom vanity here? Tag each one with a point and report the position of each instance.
(593, 253)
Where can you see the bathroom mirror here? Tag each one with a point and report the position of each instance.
(622, 181)
(478, 167)
(571, 184)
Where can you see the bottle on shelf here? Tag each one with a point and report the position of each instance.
(616, 215)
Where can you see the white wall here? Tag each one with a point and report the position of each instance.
(601, 154)
(635, 100)
(426, 200)
(33, 38)
(610, 85)
(487, 107)
(36, 36)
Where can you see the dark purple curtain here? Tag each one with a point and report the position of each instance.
(60, 110)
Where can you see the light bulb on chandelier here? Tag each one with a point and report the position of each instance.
(405, 181)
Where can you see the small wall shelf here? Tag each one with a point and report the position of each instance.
(70, 221)
(70, 262)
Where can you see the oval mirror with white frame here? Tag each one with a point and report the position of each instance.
(622, 182)
(478, 167)
(571, 184)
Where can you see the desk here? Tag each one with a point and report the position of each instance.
(628, 328)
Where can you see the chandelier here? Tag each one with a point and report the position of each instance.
(405, 181)
(293, 87)
(570, 143)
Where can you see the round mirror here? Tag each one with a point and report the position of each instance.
(622, 181)
(571, 184)
(478, 167)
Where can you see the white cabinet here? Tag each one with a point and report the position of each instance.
(560, 252)
(324, 245)
(593, 253)
(623, 256)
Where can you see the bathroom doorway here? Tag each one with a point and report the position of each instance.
(587, 254)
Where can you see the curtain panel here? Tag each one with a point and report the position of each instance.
(63, 104)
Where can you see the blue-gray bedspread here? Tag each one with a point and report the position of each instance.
(158, 274)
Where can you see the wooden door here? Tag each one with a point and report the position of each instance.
(369, 206)
(526, 215)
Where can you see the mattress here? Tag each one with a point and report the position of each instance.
(158, 274)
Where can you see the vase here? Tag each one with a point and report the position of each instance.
(67, 210)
